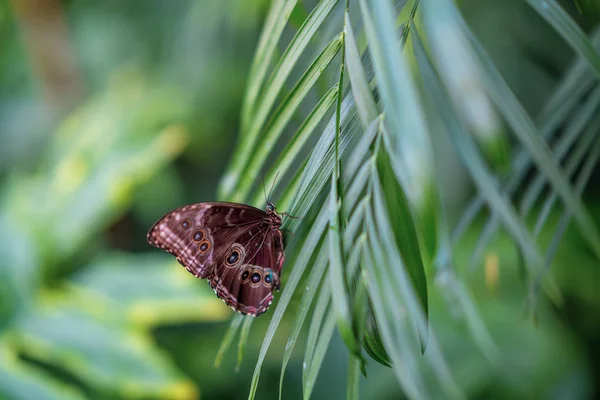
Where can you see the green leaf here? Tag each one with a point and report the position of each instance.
(568, 94)
(89, 173)
(359, 304)
(250, 136)
(19, 381)
(412, 293)
(290, 190)
(412, 157)
(312, 240)
(455, 289)
(357, 187)
(563, 147)
(575, 156)
(556, 16)
(402, 304)
(106, 355)
(401, 104)
(275, 23)
(146, 289)
(325, 336)
(234, 325)
(242, 177)
(458, 70)
(313, 179)
(320, 163)
(447, 282)
(577, 81)
(21, 264)
(372, 340)
(573, 128)
(475, 164)
(283, 69)
(365, 104)
(405, 235)
(314, 329)
(243, 340)
(355, 163)
(319, 338)
(294, 146)
(583, 178)
(531, 139)
(316, 276)
(316, 352)
(341, 307)
(389, 319)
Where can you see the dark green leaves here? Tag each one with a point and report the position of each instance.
(375, 227)
(404, 233)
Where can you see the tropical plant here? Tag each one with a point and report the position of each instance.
(375, 232)
(372, 119)
(77, 315)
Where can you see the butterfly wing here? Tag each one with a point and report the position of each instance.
(246, 283)
(195, 233)
(237, 247)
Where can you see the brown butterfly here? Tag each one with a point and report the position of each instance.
(238, 248)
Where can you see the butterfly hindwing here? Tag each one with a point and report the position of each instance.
(248, 285)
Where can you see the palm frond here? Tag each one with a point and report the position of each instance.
(373, 238)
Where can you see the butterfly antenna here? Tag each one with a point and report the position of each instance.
(273, 185)
(264, 190)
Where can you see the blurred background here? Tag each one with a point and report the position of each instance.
(113, 113)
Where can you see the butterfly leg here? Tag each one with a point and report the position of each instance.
(291, 216)
(287, 230)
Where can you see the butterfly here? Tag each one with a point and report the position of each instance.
(238, 248)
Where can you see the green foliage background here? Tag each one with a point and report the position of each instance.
(434, 233)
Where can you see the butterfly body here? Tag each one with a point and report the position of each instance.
(238, 248)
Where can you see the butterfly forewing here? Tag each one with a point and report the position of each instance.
(237, 247)
(190, 232)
